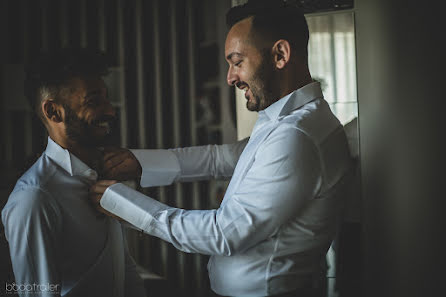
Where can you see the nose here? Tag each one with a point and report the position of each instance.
(232, 78)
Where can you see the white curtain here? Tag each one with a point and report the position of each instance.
(332, 60)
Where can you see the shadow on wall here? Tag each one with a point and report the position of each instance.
(349, 255)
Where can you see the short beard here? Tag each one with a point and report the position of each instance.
(262, 84)
(78, 130)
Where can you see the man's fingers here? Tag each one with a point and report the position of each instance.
(101, 186)
(113, 173)
(105, 183)
(96, 199)
(118, 170)
(110, 149)
(120, 164)
(107, 154)
(113, 161)
(103, 211)
(95, 196)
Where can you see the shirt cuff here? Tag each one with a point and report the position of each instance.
(159, 167)
(131, 205)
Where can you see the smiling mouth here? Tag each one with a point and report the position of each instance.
(103, 125)
(245, 88)
(246, 94)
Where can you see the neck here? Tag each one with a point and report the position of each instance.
(294, 79)
(88, 155)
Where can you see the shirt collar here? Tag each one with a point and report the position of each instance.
(294, 100)
(69, 162)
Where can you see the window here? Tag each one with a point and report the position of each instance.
(332, 61)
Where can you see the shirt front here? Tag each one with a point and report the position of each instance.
(279, 213)
(57, 240)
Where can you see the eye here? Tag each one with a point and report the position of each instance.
(238, 63)
(91, 101)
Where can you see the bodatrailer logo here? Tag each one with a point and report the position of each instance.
(33, 288)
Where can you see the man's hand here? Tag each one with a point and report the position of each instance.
(120, 164)
(96, 192)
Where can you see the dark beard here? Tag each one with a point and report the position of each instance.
(262, 85)
(79, 130)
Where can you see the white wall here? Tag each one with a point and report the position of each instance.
(245, 118)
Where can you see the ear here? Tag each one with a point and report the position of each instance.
(52, 111)
(281, 53)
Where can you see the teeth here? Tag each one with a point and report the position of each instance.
(104, 125)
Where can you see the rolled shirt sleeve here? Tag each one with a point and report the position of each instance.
(32, 228)
(163, 167)
(285, 173)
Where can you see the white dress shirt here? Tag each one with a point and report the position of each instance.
(59, 245)
(279, 213)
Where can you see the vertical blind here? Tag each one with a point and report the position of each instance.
(152, 47)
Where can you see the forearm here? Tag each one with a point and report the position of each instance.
(271, 191)
(202, 233)
(234, 227)
(164, 167)
(211, 161)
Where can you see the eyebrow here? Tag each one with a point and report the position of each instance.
(229, 57)
(93, 93)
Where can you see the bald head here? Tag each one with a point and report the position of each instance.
(270, 21)
(265, 62)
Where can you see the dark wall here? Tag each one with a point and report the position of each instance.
(400, 52)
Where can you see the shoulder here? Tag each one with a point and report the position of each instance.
(38, 175)
(287, 141)
(30, 204)
(315, 119)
